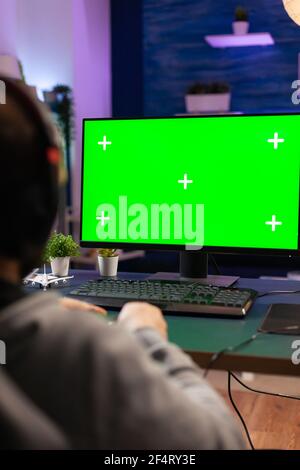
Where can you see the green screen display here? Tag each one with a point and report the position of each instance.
(202, 181)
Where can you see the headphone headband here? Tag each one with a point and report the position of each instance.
(35, 109)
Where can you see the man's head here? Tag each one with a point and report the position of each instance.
(28, 177)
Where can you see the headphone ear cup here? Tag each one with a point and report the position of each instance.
(53, 155)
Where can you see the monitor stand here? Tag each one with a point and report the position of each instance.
(194, 265)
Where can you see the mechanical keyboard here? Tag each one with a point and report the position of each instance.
(171, 296)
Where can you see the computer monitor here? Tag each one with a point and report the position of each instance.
(221, 184)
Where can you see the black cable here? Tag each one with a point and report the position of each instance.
(220, 353)
(213, 260)
(274, 292)
(280, 395)
(238, 412)
(216, 356)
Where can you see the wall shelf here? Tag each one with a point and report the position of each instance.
(243, 40)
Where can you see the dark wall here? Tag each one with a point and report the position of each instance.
(127, 57)
(175, 54)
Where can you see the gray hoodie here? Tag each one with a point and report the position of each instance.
(107, 388)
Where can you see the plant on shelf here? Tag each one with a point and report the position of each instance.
(108, 259)
(208, 97)
(241, 21)
(60, 101)
(199, 88)
(64, 108)
(58, 251)
(241, 14)
(21, 71)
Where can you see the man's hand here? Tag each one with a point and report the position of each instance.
(136, 315)
(73, 304)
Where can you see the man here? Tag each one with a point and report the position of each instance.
(104, 386)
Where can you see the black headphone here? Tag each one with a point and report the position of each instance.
(45, 126)
(49, 143)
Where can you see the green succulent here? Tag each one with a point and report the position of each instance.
(107, 252)
(59, 246)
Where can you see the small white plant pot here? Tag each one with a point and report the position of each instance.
(240, 27)
(210, 102)
(108, 265)
(60, 266)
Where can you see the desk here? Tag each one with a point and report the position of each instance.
(201, 337)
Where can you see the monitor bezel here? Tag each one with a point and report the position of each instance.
(180, 247)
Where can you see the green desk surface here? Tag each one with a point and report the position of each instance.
(201, 337)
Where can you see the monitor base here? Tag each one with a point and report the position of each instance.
(211, 280)
(194, 265)
(293, 275)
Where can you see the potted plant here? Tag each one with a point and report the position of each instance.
(61, 103)
(208, 97)
(241, 21)
(58, 251)
(108, 259)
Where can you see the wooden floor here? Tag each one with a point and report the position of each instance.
(273, 423)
